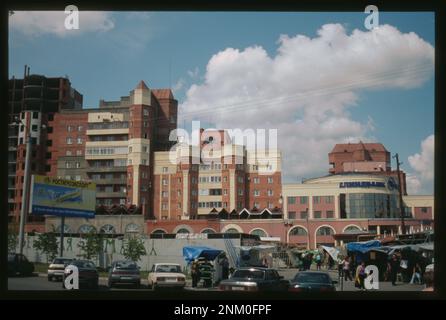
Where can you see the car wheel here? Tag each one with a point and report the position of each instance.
(154, 287)
(137, 285)
(50, 278)
(110, 284)
(94, 285)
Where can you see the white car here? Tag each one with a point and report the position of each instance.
(57, 267)
(166, 275)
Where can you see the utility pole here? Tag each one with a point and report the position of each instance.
(402, 213)
(25, 197)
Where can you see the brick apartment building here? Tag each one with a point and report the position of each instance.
(35, 100)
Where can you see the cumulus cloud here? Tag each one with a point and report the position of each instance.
(37, 23)
(423, 165)
(307, 89)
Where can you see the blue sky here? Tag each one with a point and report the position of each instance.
(111, 52)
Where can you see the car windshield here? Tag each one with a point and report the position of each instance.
(61, 261)
(168, 268)
(84, 264)
(125, 265)
(312, 278)
(248, 274)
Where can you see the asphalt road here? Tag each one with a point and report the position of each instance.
(41, 283)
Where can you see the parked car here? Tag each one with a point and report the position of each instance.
(166, 275)
(124, 272)
(312, 281)
(18, 264)
(88, 274)
(57, 267)
(254, 279)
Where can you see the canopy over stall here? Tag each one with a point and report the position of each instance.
(333, 252)
(191, 253)
(362, 247)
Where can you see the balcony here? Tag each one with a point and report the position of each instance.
(111, 194)
(107, 169)
(110, 181)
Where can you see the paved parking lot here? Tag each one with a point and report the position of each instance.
(40, 282)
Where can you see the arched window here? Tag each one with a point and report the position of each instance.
(351, 229)
(108, 229)
(325, 231)
(298, 231)
(232, 230)
(159, 231)
(87, 228)
(132, 228)
(183, 230)
(207, 231)
(259, 232)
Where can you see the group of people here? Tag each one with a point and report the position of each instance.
(394, 267)
(202, 269)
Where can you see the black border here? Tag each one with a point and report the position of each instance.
(245, 5)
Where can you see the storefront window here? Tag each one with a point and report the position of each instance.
(371, 205)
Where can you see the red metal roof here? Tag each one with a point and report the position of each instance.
(141, 85)
(351, 147)
(163, 93)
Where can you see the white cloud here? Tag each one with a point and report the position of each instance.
(423, 164)
(413, 184)
(308, 88)
(36, 23)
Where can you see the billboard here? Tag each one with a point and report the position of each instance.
(59, 197)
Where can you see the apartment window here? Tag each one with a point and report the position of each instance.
(225, 179)
(329, 199)
(68, 165)
(33, 141)
(179, 205)
(240, 192)
(179, 193)
(67, 177)
(194, 192)
(145, 112)
(225, 192)
(50, 117)
(270, 205)
(78, 165)
(316, 199)
(318, 214)
(330, 214)
(144, 175)
(146, 136)
(194, 180)
(77, 178)
(34, 127)
(256, 193)
(164, 194)
(78, 152)
(22, 128)
(145, 124)
(256, 180)
(68, 153)
(130, 161)
(144, 162)
(225, 204)
(48, 155)
(303, 214)
(165, 169)
(69, 128)
(303, 200)
(35, 115)
(256, 204)
(79, 140)
(80, 128)
(291, 200)
(49, 143)
(270, 180)
(239, 205)
(164, 206)
(69, 140)
(424, 210)
(255, 167)
(270, 192)
(291, 214)
(144, 149)
(240, 179)
(130, 149)
(164, 182)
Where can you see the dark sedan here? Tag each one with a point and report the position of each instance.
(88, 274)
(254, 279)
(124, 272)
(312, 281)
(19, 264)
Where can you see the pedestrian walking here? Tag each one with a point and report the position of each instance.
(318, 261)
(360, 276)
(195, 273)
(416, 274)
(346, 269)
(394, 268)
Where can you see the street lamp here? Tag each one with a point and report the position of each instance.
(25, 197)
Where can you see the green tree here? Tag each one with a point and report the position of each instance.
(12, 238)
(91, 245)
(133, 249)
(47, 243)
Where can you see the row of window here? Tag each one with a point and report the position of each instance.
(214, 204)
(71, 128)
(329, 214)
(79, 140)
(107, 151)
(72, 164)
(145, 149)
(111, 188)
(316, 199)
(70, 152)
